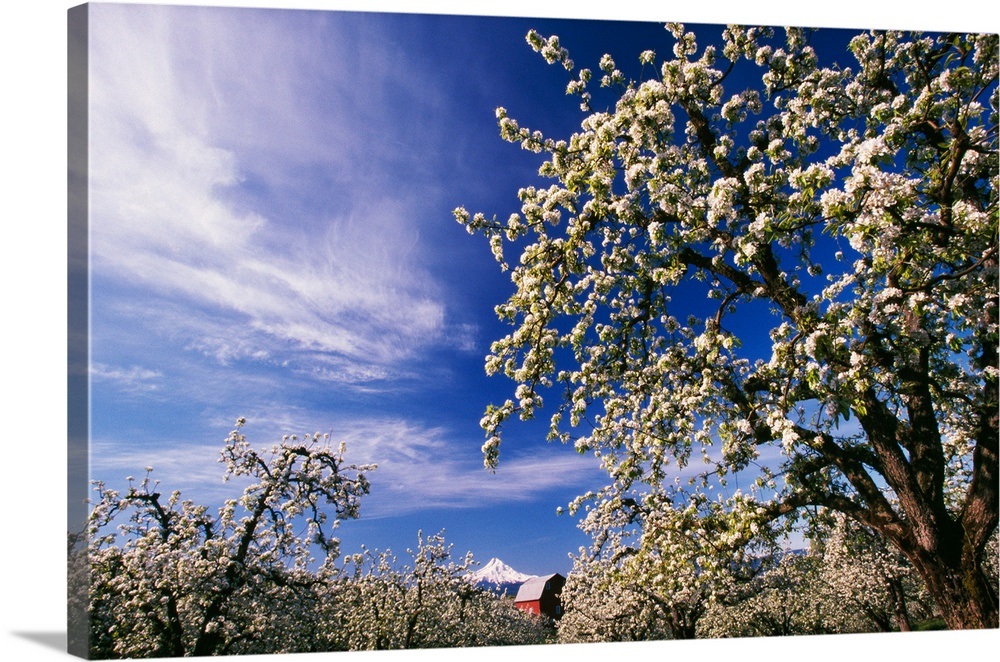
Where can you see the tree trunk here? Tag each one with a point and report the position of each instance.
(898, 595)
(683, 621)
(961, 590)
(175, 629)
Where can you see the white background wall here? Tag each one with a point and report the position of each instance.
(33, 322)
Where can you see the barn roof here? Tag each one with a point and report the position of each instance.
(532, 589)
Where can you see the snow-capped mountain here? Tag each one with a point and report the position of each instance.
(497, 572)
(499, 576)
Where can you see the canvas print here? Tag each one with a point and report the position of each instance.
(395, 331)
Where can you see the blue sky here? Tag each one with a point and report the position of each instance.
(272, 238)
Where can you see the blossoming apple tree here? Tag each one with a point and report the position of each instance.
(667, 564)
(379, 604)
(849, 581)
(600, 606)
(780, 261)
(788, 599)
(870, 580)
(175, 580)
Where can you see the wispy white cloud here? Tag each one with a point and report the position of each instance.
(417, 467)
(132, 378)
(427, 467)
(192, 468)
(184, 119)
(470, 485)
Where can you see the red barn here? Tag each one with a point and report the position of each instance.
(540, 596)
